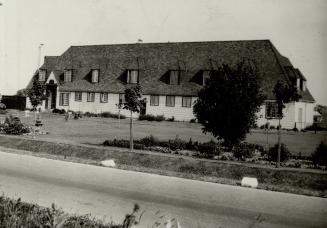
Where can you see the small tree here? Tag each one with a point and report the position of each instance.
(228, 103)
(36, 94)
(133, 103)
(283, 94)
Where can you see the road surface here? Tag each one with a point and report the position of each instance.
(111, 193)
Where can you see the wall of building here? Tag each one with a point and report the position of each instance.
(306, 119)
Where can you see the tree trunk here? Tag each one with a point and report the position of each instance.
(131, 132)
(279, 144)
(34, 126)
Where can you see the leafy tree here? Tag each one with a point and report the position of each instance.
(228, 103)
(133, 103)
(284, 94)
(36, 94)
(319, 157)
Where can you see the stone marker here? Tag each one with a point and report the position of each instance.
(249, 182)
(108, 163)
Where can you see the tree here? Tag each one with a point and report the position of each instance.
(228, 103)
(36, 94)
(284, 94)
(133, 103)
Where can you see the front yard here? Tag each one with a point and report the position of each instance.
(96, 130)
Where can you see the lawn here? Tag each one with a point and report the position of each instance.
(96, 130)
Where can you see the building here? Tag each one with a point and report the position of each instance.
(93, 78)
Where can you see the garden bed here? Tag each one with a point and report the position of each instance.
(308, 182)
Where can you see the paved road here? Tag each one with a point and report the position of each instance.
(111, 193)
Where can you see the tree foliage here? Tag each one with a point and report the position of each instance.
(284, 94)
(36, 94)
(133, 101)
(21, 92)
(228, 103)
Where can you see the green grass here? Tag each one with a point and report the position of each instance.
(97, 130)
(308, 182)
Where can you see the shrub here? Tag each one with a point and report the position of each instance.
(110, 115)
(262, 126)
(13, 126)
(2, 106)
(59, 111)
(150, 117)
(272, 127)
(243, 151)
(314, 127)
(210, 148)
(192, 120)
(171, 119)
(295, 129)
(285, 154)
(177, 144)
(149, 141)
(319, 157)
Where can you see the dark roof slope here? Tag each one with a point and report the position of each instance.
(154, 60)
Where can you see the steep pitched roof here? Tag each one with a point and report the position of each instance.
(154, 60)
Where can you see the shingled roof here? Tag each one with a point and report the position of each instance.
(154, 60)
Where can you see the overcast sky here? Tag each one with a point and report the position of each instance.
(298, 28)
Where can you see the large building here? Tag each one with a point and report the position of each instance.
(93, 78)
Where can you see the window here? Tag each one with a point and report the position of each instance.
(104, 97)
(154, 100)
(64, 99)
(90, 97)
(95, 76)
(174, 77)
(78, 96)
(42, 75)
(271, 110)
(121, 98)
(205, 76)
(186, 102)
(68, 75)
(170, 101)
(132, 76)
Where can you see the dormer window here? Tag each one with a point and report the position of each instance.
(68, 75)
(42, 75)
(205, 76)
(132, 76)
(174, 77)
(95, 76)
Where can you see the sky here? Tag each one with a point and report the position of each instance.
(298, 28)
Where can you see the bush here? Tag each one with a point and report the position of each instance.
(2, 106)
(285, 154)
(295, 129)
(111, 115)
(243, 151)
(13, 126)
(3, 112)
(171, 119)
(149, 141)
(59, 111)
(210, 148)
(177, 144)
(319, 157)
(314, 127)
(272, 127)
(192, 120)
(91, 114)
(150, 117)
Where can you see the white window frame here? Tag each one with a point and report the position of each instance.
(173, 74)
(186, 102)
(95, 76)
(132, 76)
(90, 96)
(42, 74)
(78, 96)
(104, 97)
(64, 99)
(271, 112)
(173, 103)
(154, 100)
(68, 74)
(122, 98)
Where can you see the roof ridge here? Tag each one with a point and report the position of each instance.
(176, 42)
